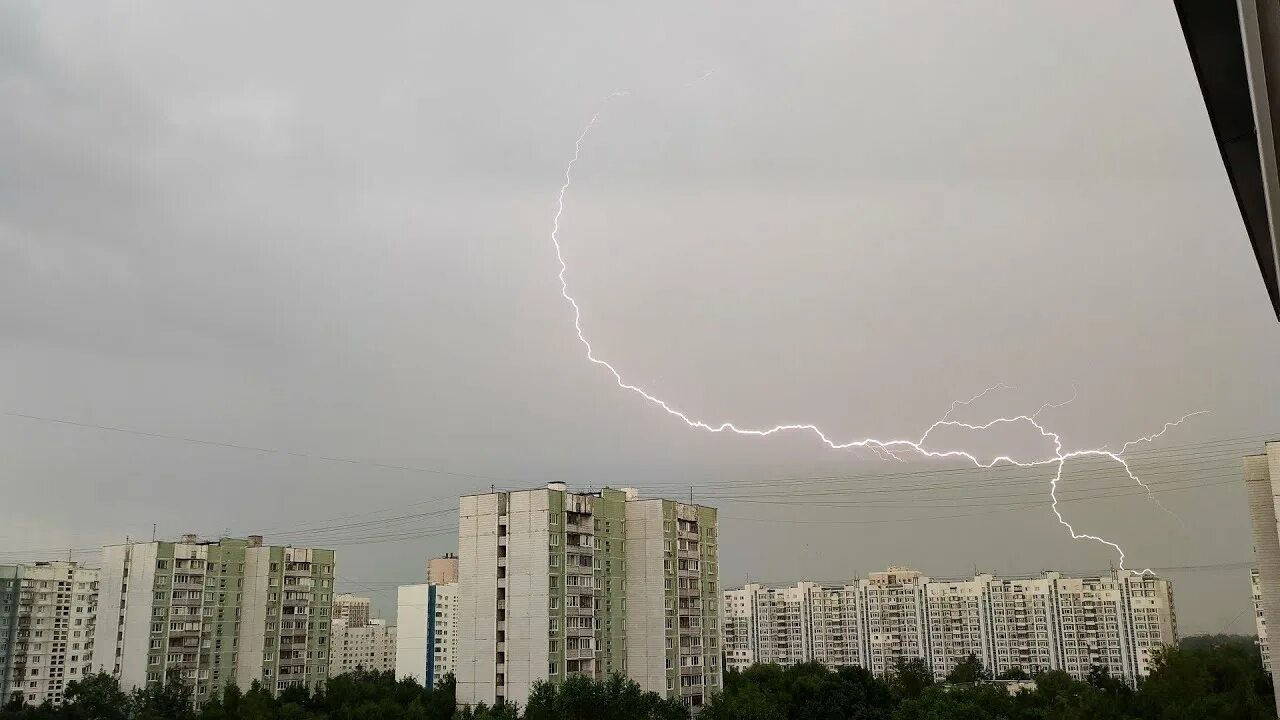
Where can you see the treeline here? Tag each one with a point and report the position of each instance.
(1211, 682)
(1206, 679)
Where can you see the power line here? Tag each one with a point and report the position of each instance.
(252, 448)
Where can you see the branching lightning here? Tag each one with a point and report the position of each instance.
(890, 447)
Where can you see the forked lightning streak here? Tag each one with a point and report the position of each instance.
(886, 447)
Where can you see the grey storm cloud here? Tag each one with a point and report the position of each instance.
(326, 231)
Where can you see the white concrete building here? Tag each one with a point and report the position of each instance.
(369, 647)
(554, 583)
(1048, 622)
(47, 612)
(954, 622)
(1260, 620)
(1261, 479)
(353, 609)
(427, 625)
(892, 618)
(791, 625)
(208, 613)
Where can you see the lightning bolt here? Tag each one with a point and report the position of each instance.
(883, 447)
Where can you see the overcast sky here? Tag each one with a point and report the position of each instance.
(327, 233)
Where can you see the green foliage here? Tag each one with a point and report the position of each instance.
(909, 678)
(1248, 644)
(976, 702)
(1218, 679)
(1222, 681)
(580, 698)
(800, 692)
(968, 671)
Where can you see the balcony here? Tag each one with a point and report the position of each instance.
(579, 654)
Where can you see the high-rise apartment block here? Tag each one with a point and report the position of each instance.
(371, 646)
(1262, 487)
(790, 625)
(47, 612)
(427, 630)
(554, 583)
(208, 613)
(1048, 622)
(1260, 620)
(443, 570)
(351, 608)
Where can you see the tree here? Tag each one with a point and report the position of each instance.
(1217, 682)
(1014, 673)
(746, 703)
(967, 672)
(97, 697)
(971, 702)
(909, 677)
(170, 700)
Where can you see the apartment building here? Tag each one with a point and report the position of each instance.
(351, 608)
(371, 646)
(47, 612)
(892, 618)
(953, 622)
(443, 570)
(427, 627)
(208, 613)
(791, 625)
(554, 583)
(1261, 475)
(1019, 618)
(1117, 620)
(1259, 619)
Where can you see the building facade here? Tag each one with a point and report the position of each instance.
(1049, 622)
(371, 647)
(352, 609)
(1261, 476)
(443, 570)
(789, 625)
(208, 613)
(554, 583)
(427, 625)
(1259, 619)
(47, 612)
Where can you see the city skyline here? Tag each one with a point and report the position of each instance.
(340, 292)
